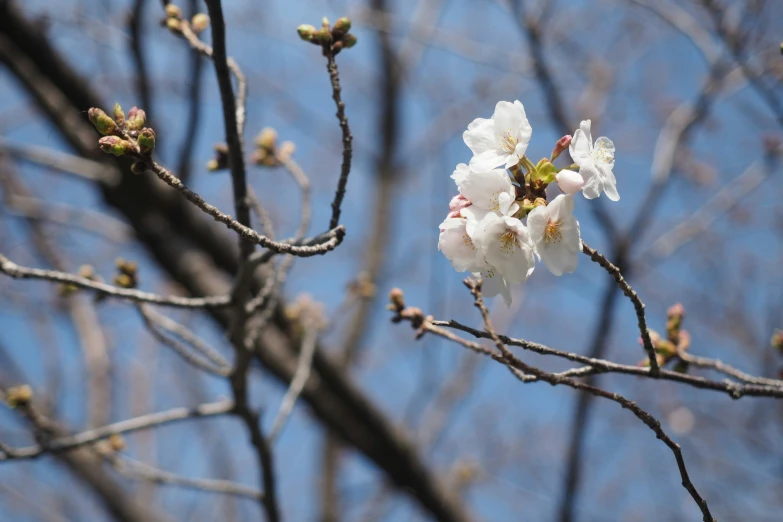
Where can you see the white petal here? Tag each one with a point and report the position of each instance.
(511, 256)
(460, 173)
(593, 182)
(536, 222)
(507, 118)
(610, 186)
(456, 245)
(489, 159)
(561, 208)
(480, 136)
(493, 284)
(483, 188)
(603, 152)
(580, 148)
(569, 181)
(585, 127)
(525, 131)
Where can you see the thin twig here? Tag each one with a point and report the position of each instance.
(345, 170)
(335, 235)
(637, 304)
(303, 368)
(151, 420)
(20, 272)
(754, 388)
(216, 365)
(137, 470)
(512, 362)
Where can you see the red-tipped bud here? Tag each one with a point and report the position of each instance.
(561, 145)
(136, 118)
(119, 115)
(115, 145)
(102, 122)
(146, 140)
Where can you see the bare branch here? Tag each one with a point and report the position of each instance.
(634, 297)
(143, 422)
(20, 272)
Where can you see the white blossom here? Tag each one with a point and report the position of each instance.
(507, 247)
(494, 284)
(555, 231)
(489, 190)
(500, 140)
(595, 163)
(457, 245)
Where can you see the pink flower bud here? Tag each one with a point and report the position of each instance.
(456, 204)
(570, 182)
(561, 145)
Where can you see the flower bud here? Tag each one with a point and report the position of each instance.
(19, 395)
(570, 182)
(136, 119)
(456, 204)
(397, 299)
(87, 272)
(561, 145)
(146, 140)
(349, 40)
(539, 202)
(173, 11)
(102, 122)
(267, 139)
(126, 267)
(173, 24)
(116, 442)
(544, 172)
(124, 281)
(115, 145)
(337, 47)
(325, 22)
(213, 165)
(119, 115)
(306, 32)
(199, 22)
(323, 36)
(341, 27)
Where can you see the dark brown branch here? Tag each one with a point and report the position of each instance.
(345, 170)
(634, 297)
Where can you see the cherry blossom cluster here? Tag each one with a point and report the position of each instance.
(501, 221)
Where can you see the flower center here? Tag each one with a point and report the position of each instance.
(467, 241)
(553, 232)
(507, 141)
(601, 153)
(508, 242)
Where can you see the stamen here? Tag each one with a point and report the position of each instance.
(508, 141)
(553, 232)
(508, 242)
(468, 242)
